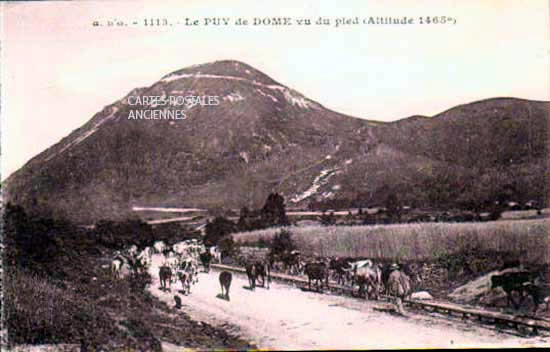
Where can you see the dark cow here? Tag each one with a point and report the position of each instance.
(251, 274)
(340, 268)
(539, 292)
(513, 281)
(165, 275)
(291, 261)
(206, 258)
(263, 271)
(316, 271)
(256, 269)
(225, 283)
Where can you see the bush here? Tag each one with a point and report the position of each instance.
(282, 244)
(217, 229)
(227, 246)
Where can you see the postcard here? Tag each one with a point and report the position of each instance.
(246, 175)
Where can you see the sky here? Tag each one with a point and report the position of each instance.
(58, 70)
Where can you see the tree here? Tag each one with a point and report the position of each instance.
(393, 207)
(217, 229)
(329, 219)
(226, 246)
(282, 244)
(117, 235)
(273, 213)
(244, 220)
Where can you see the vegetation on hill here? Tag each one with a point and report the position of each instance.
(58, 288)
(274, 140)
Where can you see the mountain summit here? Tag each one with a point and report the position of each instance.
(261, 136)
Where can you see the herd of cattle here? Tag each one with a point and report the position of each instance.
(372, 279)
(180, 262)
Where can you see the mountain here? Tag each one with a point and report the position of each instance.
(263, 137)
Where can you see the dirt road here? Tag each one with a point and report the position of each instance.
(285, 317)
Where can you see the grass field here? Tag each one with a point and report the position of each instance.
(526, 239)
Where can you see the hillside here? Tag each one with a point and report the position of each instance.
(264, 136)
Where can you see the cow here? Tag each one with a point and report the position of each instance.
(369, 277)
(165, 275)
(539, 292)
(206, 258)
(353, 266)
(185, 279)
(513, 281)
(158, 247)
(398, 286)
(215, 251)
(291, 261)
(189, 266)
(117, 265)
(263, 271)
(360, 264)
(132, 250)
(251, 274)
(225, 282)
(139, 261)
(338, 267)
(318, 272)
(181, 249)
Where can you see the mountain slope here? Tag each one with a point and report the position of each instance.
(262, 137)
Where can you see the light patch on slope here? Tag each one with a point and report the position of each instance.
(86, 134)
(290, 95)
(267, 95)
(233, 97)
(349, 161)
(297, 100)
(320, 180)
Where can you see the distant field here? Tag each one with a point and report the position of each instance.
(524, 214)
(529, 238)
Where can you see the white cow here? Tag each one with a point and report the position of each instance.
(132, 251)
(216, 254)
(119, 265)
(159, 247)
(172, 262)
(361, 264)
(181, 249)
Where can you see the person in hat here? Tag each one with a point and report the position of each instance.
(399, 286)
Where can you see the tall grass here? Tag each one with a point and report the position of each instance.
(39, 312)
(529, 239)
